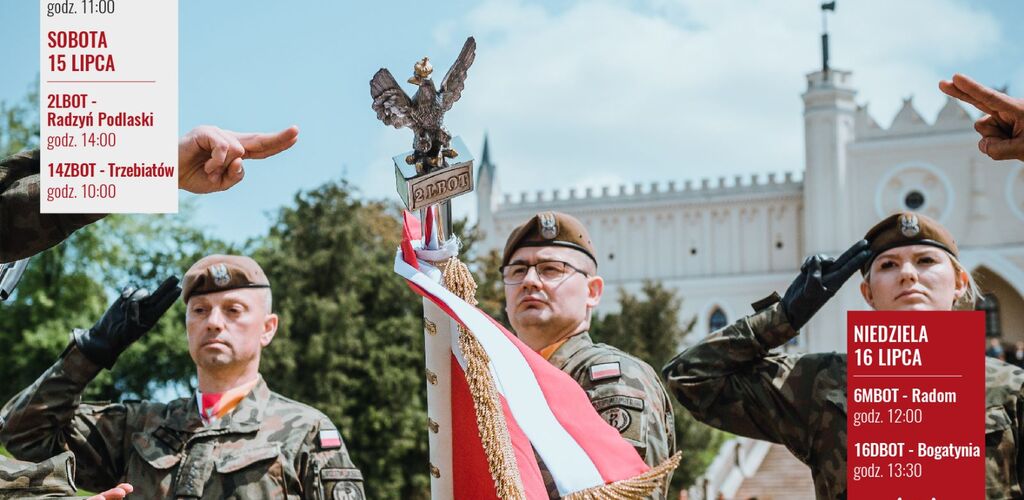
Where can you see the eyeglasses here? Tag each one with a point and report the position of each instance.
(549, 272)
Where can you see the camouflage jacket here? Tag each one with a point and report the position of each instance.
(730, 381)
(23, 230)
(1004, 429)
(268, 447)
(51, 478)
(626, 392)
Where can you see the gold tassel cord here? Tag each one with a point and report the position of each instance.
(457, 278)
(490, 419)
(634, 488)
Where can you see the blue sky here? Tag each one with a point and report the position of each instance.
(572, 93)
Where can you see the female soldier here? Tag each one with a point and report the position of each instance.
(731, 381)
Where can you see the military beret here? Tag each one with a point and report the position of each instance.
(548, 229)
(216, 273)
(908, 228)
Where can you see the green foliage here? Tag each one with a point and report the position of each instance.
(350, 341)
(490, 291)
(648, 327)
(19, 123)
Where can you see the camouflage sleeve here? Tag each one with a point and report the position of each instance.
(48, 418)
(1004, 426)
(629, 396)
(729, 381)
(328, 472)
(51, 478)
(23, 230)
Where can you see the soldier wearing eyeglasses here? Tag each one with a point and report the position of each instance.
(551, 290)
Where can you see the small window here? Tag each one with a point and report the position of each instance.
(990, 304)
(717, 320)
(914, 200)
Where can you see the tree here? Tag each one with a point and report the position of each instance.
(19, 123)
(648, 327)
(490, 291)
(350, 340)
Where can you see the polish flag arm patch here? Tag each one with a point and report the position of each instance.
(604, 371)
(329, 439)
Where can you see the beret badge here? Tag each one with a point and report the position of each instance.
(220, 274)
(548, 226)
(909, 225)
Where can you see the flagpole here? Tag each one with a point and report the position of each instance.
(437, 340)
(828, 6)
(437, 245)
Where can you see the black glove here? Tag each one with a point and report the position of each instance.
(820, 278)
(133, 314)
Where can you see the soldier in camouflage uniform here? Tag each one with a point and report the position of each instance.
(731, 380)
(233, 439)
(209, 160)
(551, 288)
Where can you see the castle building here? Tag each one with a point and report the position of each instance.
(725, 243)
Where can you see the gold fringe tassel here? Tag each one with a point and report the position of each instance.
(638, 487)
(490, 419)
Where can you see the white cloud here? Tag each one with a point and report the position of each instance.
(669, 90)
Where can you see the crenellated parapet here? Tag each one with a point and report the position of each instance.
(722, 186)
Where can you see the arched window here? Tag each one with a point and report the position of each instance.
(717, 320)
(990, 304)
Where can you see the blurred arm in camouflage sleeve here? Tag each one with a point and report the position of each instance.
(328, 472)
(730, 381)
(209, 159)
(51, 478)
(48, 418)
(23, 230)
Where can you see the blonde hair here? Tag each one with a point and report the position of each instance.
(971, 294)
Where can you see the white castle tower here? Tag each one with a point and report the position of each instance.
(829, 129)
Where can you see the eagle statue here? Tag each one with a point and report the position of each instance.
(424, 111)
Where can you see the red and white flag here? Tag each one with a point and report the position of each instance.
(544, 409)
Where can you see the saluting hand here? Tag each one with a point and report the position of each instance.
(210, 158)
(133, 314)
(820, 278)
(1002, 127)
